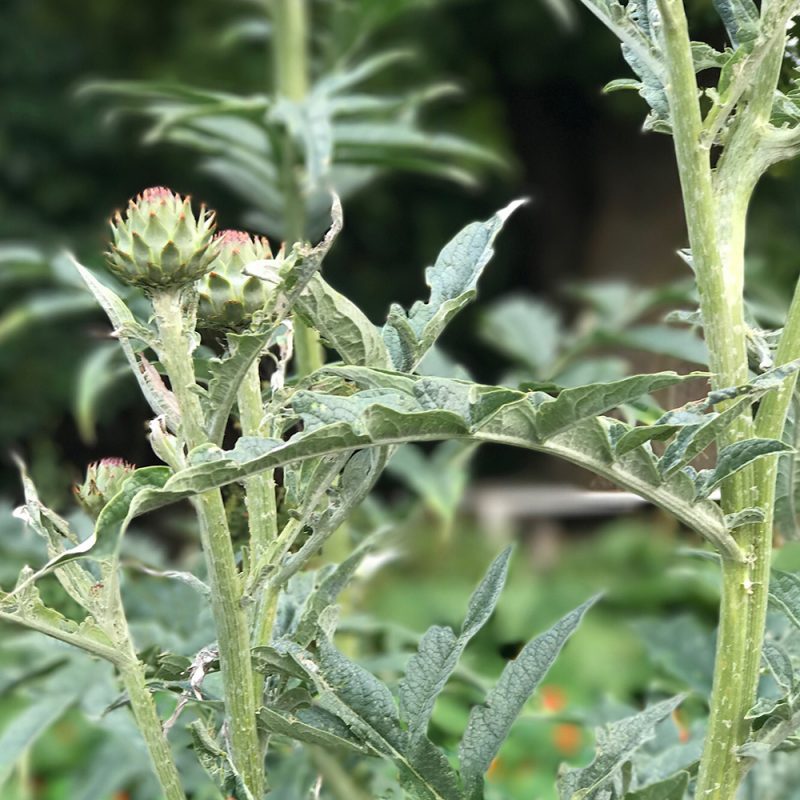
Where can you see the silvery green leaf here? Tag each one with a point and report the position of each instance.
(490, 722)
(368, 709)
(741, 19)
(779, 662)
(733, 458)
(374, 424)
(440, 649)
(452, 280)
(693, 439)
(311, 726)
(784, 593)
(616, 744)
(555, 415)
(787, 486)
(342, 325)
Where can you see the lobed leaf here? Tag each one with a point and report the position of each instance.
(440, 649)
(490, 722)
(452, 281)
(615, 745)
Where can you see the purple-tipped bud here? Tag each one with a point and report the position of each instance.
(228, 297)
(103, 480)
(159, 243)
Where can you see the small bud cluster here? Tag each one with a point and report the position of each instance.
(160, 244)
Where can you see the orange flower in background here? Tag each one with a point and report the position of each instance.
(495, 768)
(567, 738)
(554, 698)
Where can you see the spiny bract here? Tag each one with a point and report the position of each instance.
(228, 297)
(159, 243)
(103, 480)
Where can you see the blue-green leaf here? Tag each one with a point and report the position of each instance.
(490, 722)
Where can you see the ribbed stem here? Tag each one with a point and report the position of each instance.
(149, 724)
(260, 489)
(716, 226)
(233, 635)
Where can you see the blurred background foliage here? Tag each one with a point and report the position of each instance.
(586, 271)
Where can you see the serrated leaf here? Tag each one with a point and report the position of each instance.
(694, 439)
(490, 722)
(556, 415)
(616, 743)
(440, 649)
(367, 707)
(343, 424)
(452, 281)
(733, 458)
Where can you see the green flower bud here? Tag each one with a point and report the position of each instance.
(103, 480)
(159, 243)
(228, 297)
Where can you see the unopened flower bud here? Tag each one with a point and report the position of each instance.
(159, 243)
(228, 297)
(104, 479)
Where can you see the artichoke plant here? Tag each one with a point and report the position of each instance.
(159, 243)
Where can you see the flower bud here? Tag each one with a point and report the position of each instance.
(228, 297)
(103, 480)
(159, 243)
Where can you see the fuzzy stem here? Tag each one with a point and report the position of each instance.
(290, 57)
(716, 227)
(230, 618)
(260, 488)
(149, 724)
(112, 619)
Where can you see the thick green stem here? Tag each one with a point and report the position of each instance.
(230, 618)
(260, 488)
(716, 226)
(112, 619)
(290, 60)
(149, 724)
